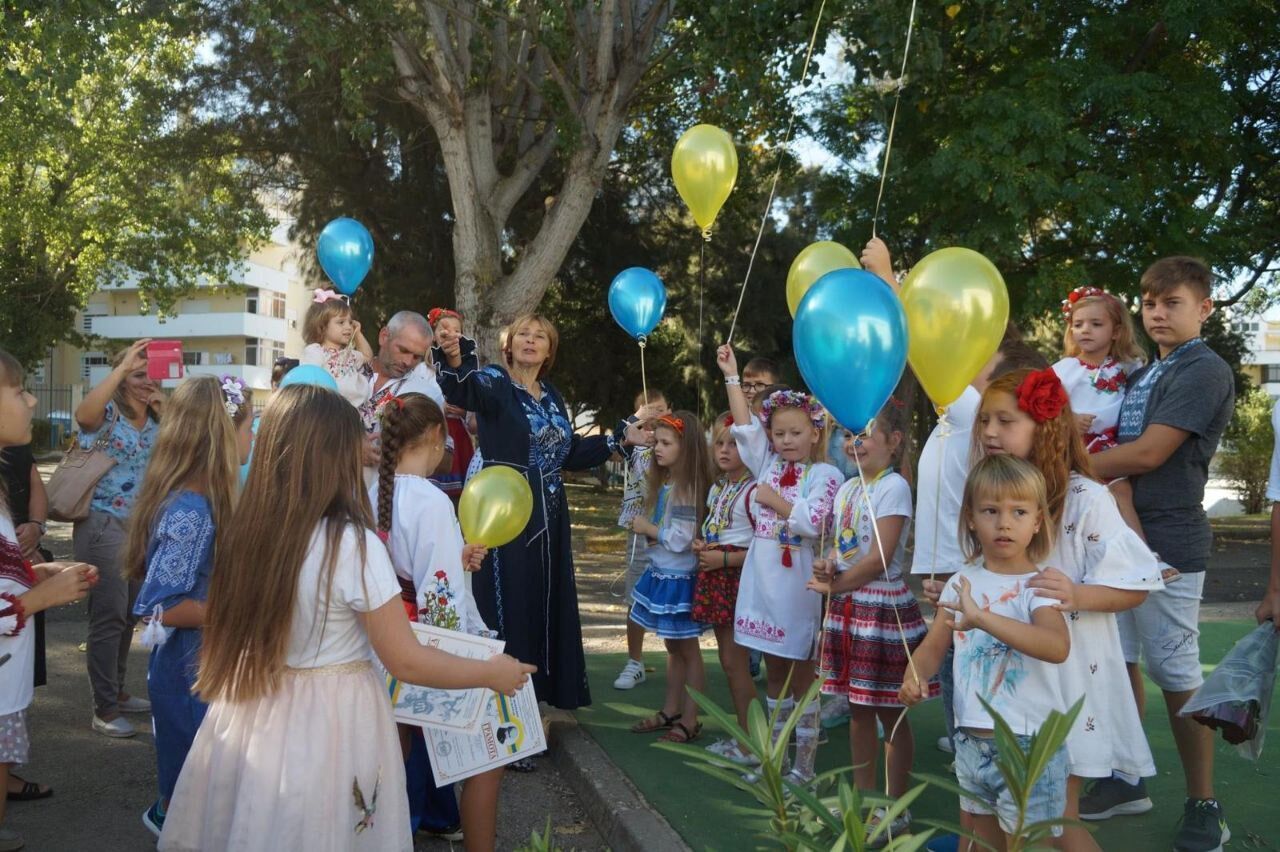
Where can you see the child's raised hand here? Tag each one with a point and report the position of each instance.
(1053, 584)
(473, 556)
(911, 692)
(507, 674)
(727, 360)
(965, 612)
(637, 437)
(875, 259)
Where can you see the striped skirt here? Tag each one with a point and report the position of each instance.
(863, 656)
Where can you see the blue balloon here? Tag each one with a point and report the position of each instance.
(345, 250)
(637, 300)
(850, 341)
(309, 374)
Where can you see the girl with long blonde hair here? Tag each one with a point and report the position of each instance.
(301, 597)
(181, 520)
(670, 519)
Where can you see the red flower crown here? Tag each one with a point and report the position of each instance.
(1041, 395)
(1084, 292)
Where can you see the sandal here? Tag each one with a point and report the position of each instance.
(680, 734)
(30, 791)
(657, 722)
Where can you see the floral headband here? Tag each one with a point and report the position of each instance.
(322, 296)
(671, 422)
(1041, 395)
(436, 314)
(232, 395)
(1084, 292)
(795, 399)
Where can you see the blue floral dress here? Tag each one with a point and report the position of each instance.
(526, 589)
(131, 449)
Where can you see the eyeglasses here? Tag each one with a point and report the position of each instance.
(754, 387)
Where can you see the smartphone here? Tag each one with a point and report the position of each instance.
(164, 360)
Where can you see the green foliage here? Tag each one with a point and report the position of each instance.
(1247, 444)
(800, 819)
(100, 176)
(540, 842)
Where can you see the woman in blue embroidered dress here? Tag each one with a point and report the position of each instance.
(526, 589)
(123, 413)
(182, 515)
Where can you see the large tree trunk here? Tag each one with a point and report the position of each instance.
(489, 108)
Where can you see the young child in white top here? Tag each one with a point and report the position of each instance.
(1101, 352)
(25, 589)
(1098, 568)
(673, 506)
(637, 466)
(873, 621)
(1007, 640)
(776, 612)
(330, 330)
(300, 599)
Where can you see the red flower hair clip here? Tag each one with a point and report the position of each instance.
(1084, 292)
(1041, 395)
(436, 314)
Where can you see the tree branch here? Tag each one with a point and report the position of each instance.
(1262, 269)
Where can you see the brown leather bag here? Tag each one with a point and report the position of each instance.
(72, 485)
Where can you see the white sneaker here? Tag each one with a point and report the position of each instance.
(944, 745)
(632, 675)
(118, 727)
(134, 704)
(731, 751)
(898, 828)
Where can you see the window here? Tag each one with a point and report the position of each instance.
(88, 361)
(1270, 373)
(277, 305)
(277, 351)
(251, 351)
(251, 300)
(194, 359)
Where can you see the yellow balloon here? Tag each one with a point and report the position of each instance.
(814, 261)
(495, 507)
(704, 166)
(957, 308)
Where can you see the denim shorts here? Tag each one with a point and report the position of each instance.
(979, 776)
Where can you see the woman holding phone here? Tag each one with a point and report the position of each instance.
(126, 404)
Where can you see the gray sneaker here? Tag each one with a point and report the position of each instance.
(1203, 828)
(1112, 797)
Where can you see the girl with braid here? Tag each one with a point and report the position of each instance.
(416, 521)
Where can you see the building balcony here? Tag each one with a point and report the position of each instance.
(191, 325)
(249, 274)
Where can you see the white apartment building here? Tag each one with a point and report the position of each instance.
(1262, 360)
(224, 331)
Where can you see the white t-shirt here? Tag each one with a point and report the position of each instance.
(1273, 483)
(855, 526)
(17, 675)
(1020, 688)
(426, 549)
(358, 587)
(940, 476)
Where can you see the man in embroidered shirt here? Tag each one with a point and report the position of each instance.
(401, 367)
(1173, 415)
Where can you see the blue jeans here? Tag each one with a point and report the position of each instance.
(980, 777)
(176, 713)
(948, 683)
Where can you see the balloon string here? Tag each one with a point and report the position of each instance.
(644, 382)
(777, 173)
(893, 121)
(702, 281)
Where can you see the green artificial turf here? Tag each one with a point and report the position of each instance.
(712, 815)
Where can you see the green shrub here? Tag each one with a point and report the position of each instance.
(1245, 460)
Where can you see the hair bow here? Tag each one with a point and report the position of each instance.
(232, 395)
(672, 422)
(322, 296)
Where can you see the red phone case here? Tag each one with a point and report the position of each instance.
(164, 360)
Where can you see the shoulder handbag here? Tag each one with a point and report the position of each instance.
(73, 482)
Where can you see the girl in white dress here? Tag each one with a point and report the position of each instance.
(330, 329)
(795, 489)
(1101, 353)
(299, 748)
(1098, 567)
